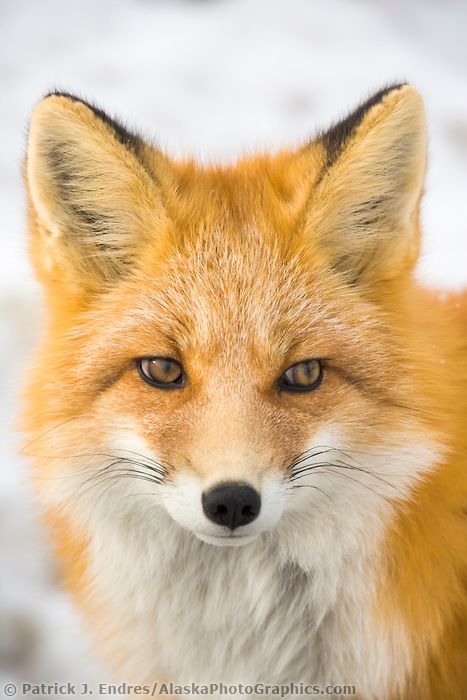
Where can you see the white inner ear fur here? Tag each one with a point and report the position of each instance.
(363, 209)
(33, 170)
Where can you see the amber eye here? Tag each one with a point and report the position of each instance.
(161, 371)
(304, 376)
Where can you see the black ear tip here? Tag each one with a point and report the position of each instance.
(90, 104)
(64, 93)
(389, 87)
(335, 138)
(126, 137)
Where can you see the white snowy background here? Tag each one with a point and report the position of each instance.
(213, 78)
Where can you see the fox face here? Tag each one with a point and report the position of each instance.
(246, 416)
(225, 344)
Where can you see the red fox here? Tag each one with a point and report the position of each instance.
(247, 416)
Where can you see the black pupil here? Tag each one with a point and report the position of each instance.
(164, 371)
(169, 367)
(306, 369)
(303, 373)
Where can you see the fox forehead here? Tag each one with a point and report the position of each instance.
(233, 261)
(212, 287)
(233, 253)
(223, 298)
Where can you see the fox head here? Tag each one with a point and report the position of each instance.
(229, 348)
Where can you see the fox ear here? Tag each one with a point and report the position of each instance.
(93, 198)
(364, 210)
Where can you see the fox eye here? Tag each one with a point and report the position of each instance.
(161, 371)
(304, 376)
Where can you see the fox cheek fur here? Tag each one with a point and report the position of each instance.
(247, 417)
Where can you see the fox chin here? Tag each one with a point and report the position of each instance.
(246, 415)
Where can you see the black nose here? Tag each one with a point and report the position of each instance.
(231, 505)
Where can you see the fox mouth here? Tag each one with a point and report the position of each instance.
(226, 540)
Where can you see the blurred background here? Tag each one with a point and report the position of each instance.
(214, 79)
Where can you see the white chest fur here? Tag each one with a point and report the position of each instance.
(295, 605)
(185, 611)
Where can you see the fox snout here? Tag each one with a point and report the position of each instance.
(228, 511)
(231, 505)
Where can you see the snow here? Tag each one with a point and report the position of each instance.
(213, 79)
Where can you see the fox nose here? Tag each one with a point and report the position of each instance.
(231, 505)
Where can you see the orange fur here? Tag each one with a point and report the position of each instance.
(238, 272)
